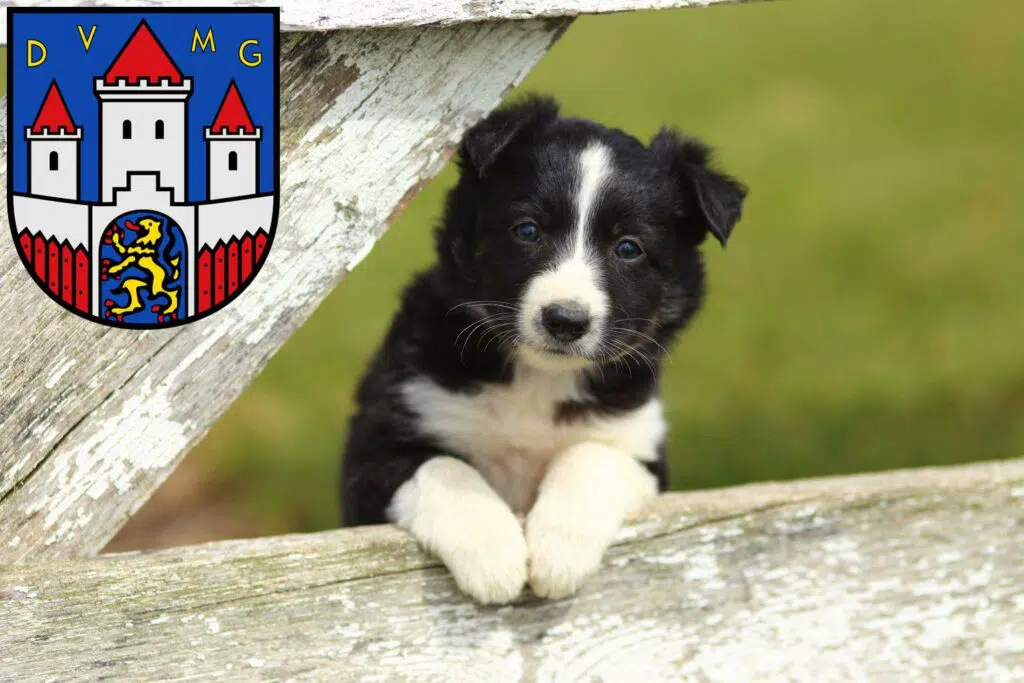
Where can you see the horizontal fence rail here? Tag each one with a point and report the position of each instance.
(914, 575)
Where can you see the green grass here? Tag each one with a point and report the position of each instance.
(868, 313)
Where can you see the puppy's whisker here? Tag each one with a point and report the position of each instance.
(643, 336)
(473, 326)
(509, 340)
(492, 333)
(625, 354)
(484, 303)
(636, 320)
(633, 353)
(487, 335)
(486, 326)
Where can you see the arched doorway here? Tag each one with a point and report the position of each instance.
(143, 269)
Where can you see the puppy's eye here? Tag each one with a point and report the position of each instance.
(628, 250)
(526, 232)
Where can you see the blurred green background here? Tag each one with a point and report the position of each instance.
(867, 315)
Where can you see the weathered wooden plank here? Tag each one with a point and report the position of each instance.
(324, 15)
(916, 575)
(92, 419)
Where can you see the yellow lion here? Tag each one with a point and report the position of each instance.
(142, 253)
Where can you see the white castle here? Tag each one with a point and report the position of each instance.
(143, 165)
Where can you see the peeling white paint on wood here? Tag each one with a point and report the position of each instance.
(92, 419)
(915, 575)
(326, 15)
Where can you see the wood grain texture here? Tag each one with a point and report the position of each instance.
(92, 419)
(323, 15)
(916, 575)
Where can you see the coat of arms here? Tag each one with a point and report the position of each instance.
(143, 157)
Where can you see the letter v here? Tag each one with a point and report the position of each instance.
(87, 41)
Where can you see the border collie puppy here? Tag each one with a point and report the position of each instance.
(520, 376)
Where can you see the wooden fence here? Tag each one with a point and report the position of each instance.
(914, 575)
(907, 576)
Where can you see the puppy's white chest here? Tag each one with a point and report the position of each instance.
(510, 433)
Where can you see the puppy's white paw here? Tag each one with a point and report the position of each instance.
(454, 514)
(489, 562)
(562, 556)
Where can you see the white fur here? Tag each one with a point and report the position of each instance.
(595, 166)
(509, 434)
(574, 276)
(589, 489)
(453, 513)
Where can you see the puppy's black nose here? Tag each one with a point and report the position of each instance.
(566, 321)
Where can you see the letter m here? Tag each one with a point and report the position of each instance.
(202, 42)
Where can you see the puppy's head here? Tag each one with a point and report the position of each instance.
(580, 243)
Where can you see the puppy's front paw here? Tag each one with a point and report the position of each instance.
(562, 556)
(489, 560)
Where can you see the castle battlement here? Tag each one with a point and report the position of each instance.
(62, 133)
(142, 89)
(225, 134)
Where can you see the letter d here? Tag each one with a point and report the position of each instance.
(42, 54)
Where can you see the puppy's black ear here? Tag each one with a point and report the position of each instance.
(483, 143)
(720, 197)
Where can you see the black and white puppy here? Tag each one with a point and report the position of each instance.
(521, 374)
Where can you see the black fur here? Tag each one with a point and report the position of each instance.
(518, 163)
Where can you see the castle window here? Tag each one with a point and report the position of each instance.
(126, 129)
(54, 161)
(159, 129)
(232, 161)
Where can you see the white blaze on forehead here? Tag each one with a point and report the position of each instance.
(595, 166)
(575, 275)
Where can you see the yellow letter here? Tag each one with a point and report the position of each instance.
(42, 57)
(87, 41)
(257, 57)
(203, 43)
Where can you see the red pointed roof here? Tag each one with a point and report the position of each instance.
(232, 116)
(54, 114)
(143, 58)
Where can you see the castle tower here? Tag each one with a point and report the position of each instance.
(232, 149)
(143, 117)
(53, 144)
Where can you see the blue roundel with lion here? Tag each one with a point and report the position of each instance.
(143, 269)
(143, 157)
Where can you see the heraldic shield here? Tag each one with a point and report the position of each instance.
(142, 153)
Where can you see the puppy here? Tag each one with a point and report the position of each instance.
(521, 375)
